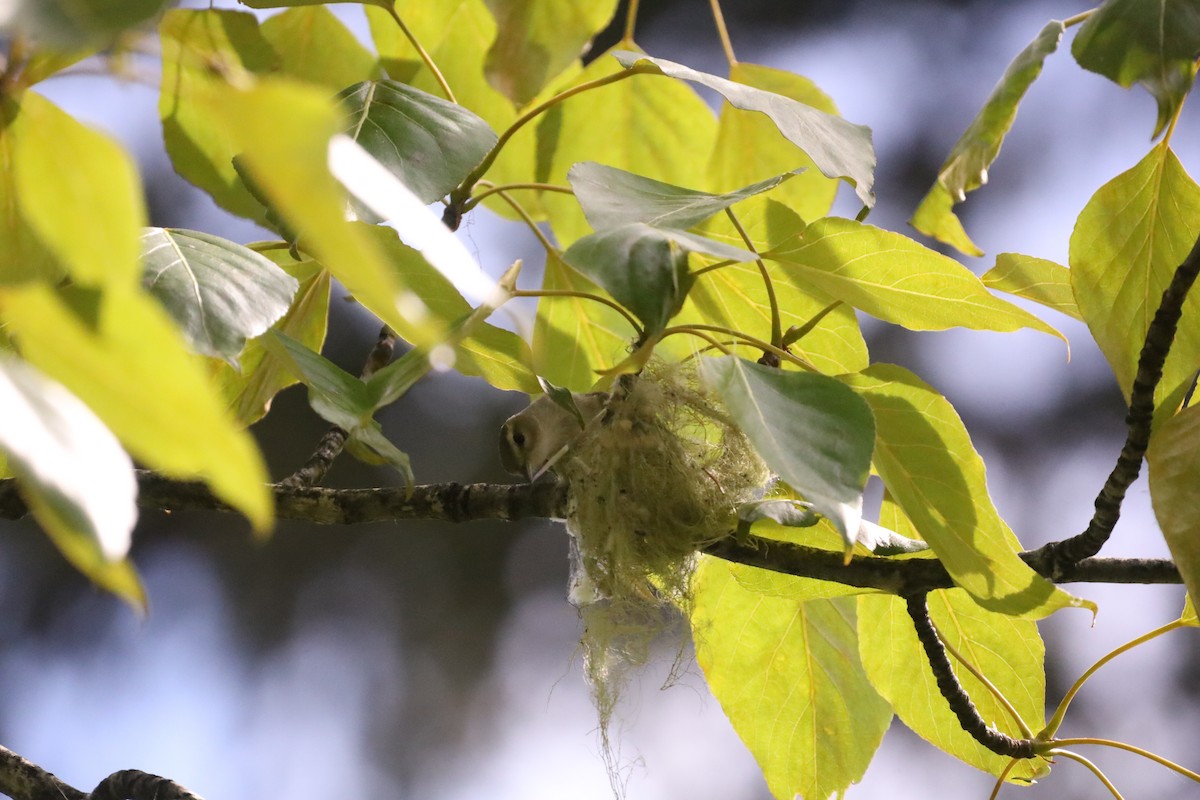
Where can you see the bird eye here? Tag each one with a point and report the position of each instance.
(518, 439)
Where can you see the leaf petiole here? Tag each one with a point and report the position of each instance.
(423, 53)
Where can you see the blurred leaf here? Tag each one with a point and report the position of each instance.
(839, 149)
(44, 63)
(659, 129)
(811, 430)
(1151, 42)
(248, 390)
(73, 474)
(368, 444)
(750, 147)
(575, 338)
(88, 215)
(787, 673)
(612, 197)
(428, 143)
(538, 40)
(130, 365)
(199, 48)
(645, 269)
(930, 468)
(69, 24)
(1127, 243)
(1034, 279)
(965, 169)
(314, 46)
(290, 3)
(219, 293)
(24, 255)
(1008, 650)
(1174, 458)
(893, 278)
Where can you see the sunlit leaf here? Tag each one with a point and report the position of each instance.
(839, 149)
(89, 215)
(538, 40)
(1189, 612)
(1174, 458)
(219, 293)
(428, 143)
(1127, 242)
(1151, 42)
(665, 132)
(811, 430)
(249, 388)
(612, 197)
(197, 47)
(290, 3)
(893, 278)
(930, 468)
(314, 46)
(1008, 650)
(751, 148)
(130, 365)
(965, 169)
(787, 673)
(72, 473)
(1034, 279)
(24, 255)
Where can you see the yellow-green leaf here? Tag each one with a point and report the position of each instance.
(1007, 650)
(930, 468)
(200, 47)
(314, 46)
(130, 365)
(1174, 458)
(24, 255)
(1034, 279)
(935, 218)
(787, 673)
(87, 209)
(1127, 243)
(656, 128)
(897, 280)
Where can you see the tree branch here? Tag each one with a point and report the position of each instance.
(1056, 557)
(21, 779)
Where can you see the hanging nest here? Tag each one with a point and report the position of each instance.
(656, 476)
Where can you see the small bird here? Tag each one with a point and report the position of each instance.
(533, 440)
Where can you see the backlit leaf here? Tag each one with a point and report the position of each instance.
(1034, 279)
(68, 24)
(314, 46)
(1174, 458)
(24, 255)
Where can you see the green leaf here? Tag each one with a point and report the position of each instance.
(69, 24)
(248, 390)
(1174, 458)
(645, 268)
(1034, 279)
(339, 397)
(658, 129)
(218, 292)
(893, 278)
(89, 216)
(538, 40)
(1151, 42)
(612, 197)
(73, 475)
(290, 3)
(314, 46)
(458, 34)
(787, 673)
(368, 444)
(24, 255)
(575, 338)
(1127, 243)
(838, 148)
(785, 512)
(965, 169)
(428, 143)
(130, 365)
(197, 46)
(1008, 650)
(930, 468)
(750, 147)
(1188, 617)
(811, 430)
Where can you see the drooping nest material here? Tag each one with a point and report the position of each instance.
(654, 477)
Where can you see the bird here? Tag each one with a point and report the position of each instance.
(533, 440)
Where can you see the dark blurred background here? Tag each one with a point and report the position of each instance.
(437, 661)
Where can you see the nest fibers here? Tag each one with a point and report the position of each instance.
(656, 476)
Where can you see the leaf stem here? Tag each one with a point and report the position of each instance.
(719, 265)
(583, 296)
(1059, 713)
(630, 22)
(1095, 770)
(1026, 731)
(423, 53)
(1070, 22)
(460, 194)
(1171, 765)
(747, 339)
(504, 187)
(528, 219)
(699, 334)
(723, 32)
(776, 324)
